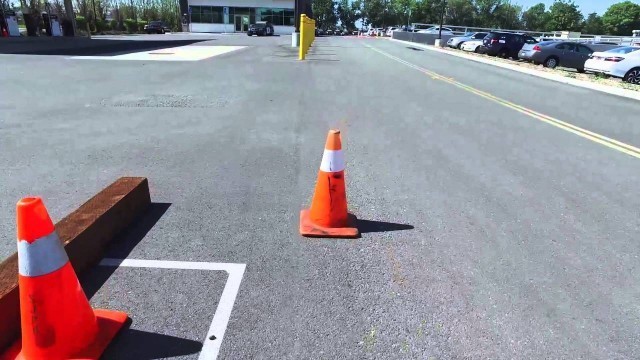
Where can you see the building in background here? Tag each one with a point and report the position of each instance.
(218, 16)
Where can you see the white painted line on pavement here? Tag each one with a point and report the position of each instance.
(179, 53)
(210, 348)
(629, 94)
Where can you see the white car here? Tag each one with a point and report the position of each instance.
(472, 46)
(622, 62)
(391, 30)
(436, 30)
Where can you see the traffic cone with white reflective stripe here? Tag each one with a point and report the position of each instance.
(57, 320)
(328, 216)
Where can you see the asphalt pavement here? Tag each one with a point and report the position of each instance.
(487, 233)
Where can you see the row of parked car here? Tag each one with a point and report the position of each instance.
(595, 57)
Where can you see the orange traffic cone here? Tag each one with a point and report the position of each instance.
(328, 216)
(57, 320)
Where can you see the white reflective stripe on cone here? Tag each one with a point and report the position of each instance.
(332, 161)
(41, 257)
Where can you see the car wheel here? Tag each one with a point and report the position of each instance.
(551, 62)
(633, 76)
(477, 50)
(460, 45)
(502, 54)
(581, 71)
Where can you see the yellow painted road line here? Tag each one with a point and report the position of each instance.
(595, 137)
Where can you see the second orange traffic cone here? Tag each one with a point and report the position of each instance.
(328, 216)
(57, 320)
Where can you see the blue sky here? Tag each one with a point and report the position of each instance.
(586, 6)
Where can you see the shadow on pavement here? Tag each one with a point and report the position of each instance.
(87, 47)
(142, 345)
(370, 226)
(93, 279)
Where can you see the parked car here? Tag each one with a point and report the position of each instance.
(505, 44)
(156, 27)
(329, 32)
(260, 28)
(457, 41)
(473, 46)
(565, 54)
(436, 30)
(528, 49)
(391, 29)
(622, 62)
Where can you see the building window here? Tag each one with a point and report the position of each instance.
(207, 14)
(277, 17)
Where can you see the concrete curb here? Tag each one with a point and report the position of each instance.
(86, 233)
(629, 94)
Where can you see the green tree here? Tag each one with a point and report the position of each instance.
(402, 10)
(508, 16)
(622, 18)
(348, 13)
(375, 12)
(324, 13)
(486, 12)
(593, 24)
(536, 18)
(564, 15)
(425, 11)
(461, 12)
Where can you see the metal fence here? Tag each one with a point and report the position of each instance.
(549, 35)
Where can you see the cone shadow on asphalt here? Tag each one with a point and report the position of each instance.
(372, 226)
(142, 345)
(126, 241)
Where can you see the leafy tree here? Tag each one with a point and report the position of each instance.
(622, 18)
(536, 18)
(402, 10)
(593, 24)
(508, 16)
(486, 12)
(564, 15)
(348, 13)
(375, 11)
(324, 12)
(460, 12)
(425, 11)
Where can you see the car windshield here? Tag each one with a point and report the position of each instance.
(623, 50)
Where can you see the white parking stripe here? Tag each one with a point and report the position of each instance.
(180, 53)
(210, 348)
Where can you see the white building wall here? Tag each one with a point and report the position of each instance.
(221, 28)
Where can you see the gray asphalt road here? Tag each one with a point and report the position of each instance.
(488, 233)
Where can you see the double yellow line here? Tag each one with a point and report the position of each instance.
(600, 139)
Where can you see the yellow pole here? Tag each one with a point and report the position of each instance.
(301, 54)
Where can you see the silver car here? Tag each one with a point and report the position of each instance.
(528, 50)
(457, 41)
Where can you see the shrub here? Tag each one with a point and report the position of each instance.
(141, 25)
(81, 23)
(131, 26)
(114, 25)
(102, 25)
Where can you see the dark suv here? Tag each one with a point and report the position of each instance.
(506, 45)
(260, 28)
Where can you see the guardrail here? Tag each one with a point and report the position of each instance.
(307, 35)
